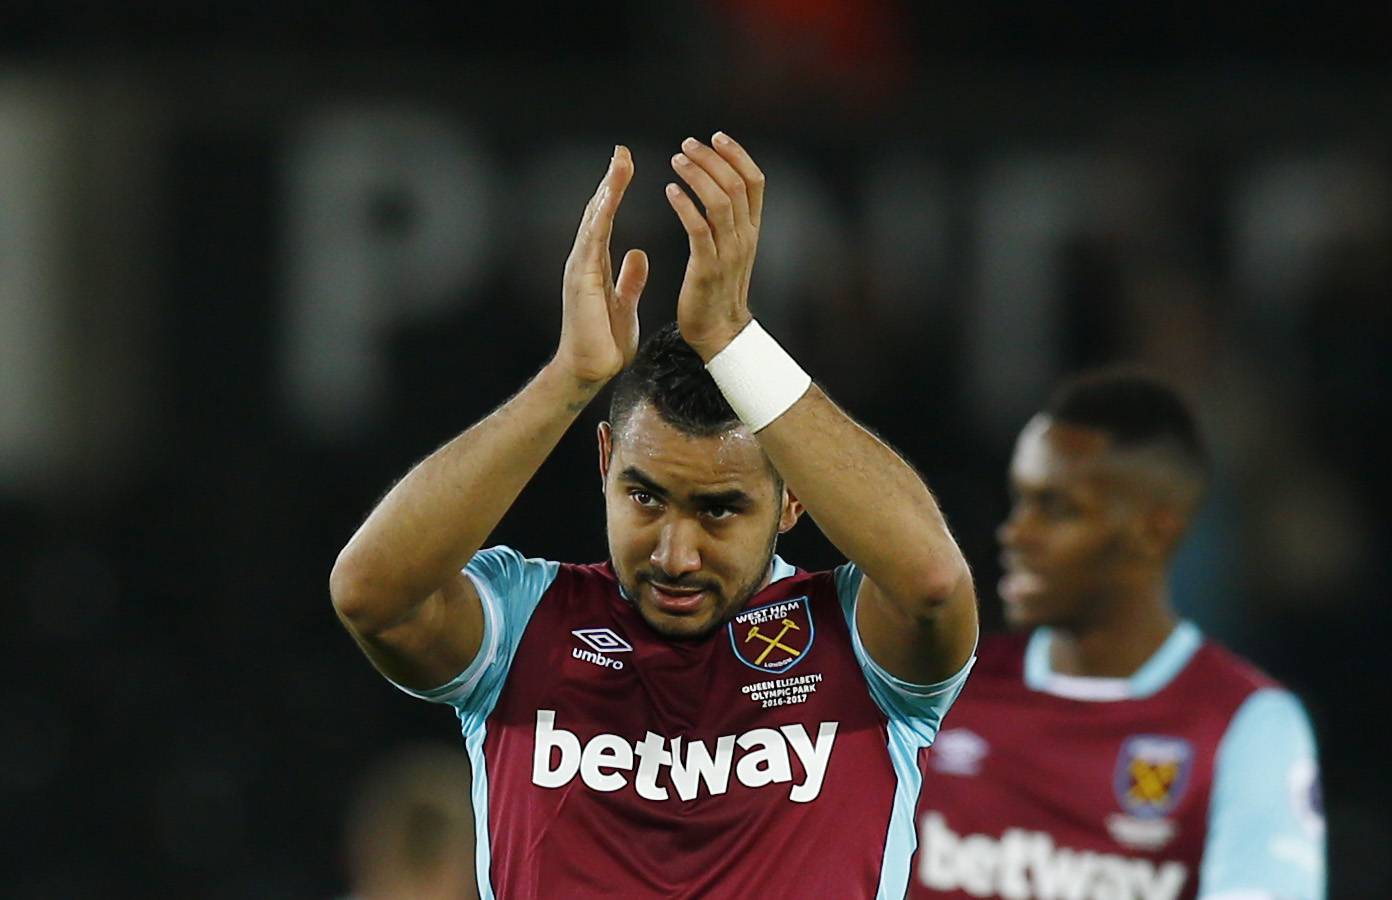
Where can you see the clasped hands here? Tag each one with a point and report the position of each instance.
(599, 319)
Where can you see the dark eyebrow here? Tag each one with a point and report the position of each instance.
(635, 475)
(733, 497)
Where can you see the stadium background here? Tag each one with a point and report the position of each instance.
(255, 261)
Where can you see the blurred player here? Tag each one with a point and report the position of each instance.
(411, 829)
(694, 717)
(1109, 750)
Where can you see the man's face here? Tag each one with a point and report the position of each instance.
(692, 520)
(1067, 547)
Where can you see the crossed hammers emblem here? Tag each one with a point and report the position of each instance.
(775, 641)
(1151, 783)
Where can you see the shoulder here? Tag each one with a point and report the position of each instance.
(581, 584)
(501, 564)
(1270, 715)
(1225, 676)
(1261, 718)
(599, 574)
(822, 591)
(789, 581)
(799, 580)
(1233, 667)
(502, 561)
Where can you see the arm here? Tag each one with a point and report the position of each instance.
(916, 611)
(397, 585)
(1266, 819)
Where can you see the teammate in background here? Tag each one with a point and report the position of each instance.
(1107, 749)
(410, 830)
(694, 717)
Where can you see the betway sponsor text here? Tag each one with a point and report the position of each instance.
(1026, 865)
(657, 766)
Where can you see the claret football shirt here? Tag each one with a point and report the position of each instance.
(770, 759)
(1195, 777)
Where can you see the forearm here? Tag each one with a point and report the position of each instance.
(915, 609)
(868, 501)
(432, 522)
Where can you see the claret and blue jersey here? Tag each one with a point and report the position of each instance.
(772, 758)
(1195, 777)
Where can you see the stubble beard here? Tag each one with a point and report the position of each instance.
(631, 585)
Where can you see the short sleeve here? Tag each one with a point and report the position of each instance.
(1266, 820)
(920, 707)
(509, 587)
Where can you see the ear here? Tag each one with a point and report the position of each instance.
(1160, 529)
(792, 511)
(605, 435)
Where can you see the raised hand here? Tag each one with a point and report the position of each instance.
(714, 303)
(599, 315)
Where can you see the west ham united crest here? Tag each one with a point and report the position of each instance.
(1152, 774)
(774, 637)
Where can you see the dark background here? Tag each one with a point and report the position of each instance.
(257, 259)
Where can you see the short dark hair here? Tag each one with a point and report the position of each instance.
(667, 373)
(1136, 408)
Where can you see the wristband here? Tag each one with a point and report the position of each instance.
(758, 378)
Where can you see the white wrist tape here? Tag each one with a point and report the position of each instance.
(758, 378)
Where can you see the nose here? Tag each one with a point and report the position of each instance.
(678, 548)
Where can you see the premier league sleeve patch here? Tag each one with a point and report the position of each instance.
(1307, 798)
(1152, 774)
(774, 637)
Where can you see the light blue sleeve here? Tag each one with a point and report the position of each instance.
(509, 587)
(920, 707)
(1266, 818)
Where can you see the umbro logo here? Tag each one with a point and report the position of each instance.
(604, 641)
(958, 751)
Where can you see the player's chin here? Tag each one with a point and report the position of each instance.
(1020, 618)
(1025, 610)
(1025, 600)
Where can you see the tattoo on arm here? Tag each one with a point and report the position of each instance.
(588, 389)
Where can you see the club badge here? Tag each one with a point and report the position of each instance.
(774, 637)
(1152, 773)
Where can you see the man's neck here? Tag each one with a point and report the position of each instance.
(1117, 645)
